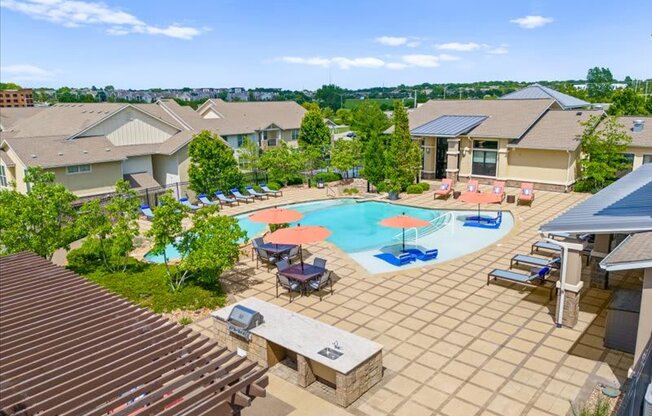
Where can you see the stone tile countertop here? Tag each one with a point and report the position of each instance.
(306, 336)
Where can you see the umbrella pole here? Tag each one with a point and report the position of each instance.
(301, 256)
(403, 239)
(478, 212)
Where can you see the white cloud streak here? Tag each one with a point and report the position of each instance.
(410, 42)
(532, 22)
(459, 46)
(24, 72)
(405, 61)
(77, 13)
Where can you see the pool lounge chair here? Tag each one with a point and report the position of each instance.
(545, 245)
(224, 200)
(400, 260)
(240, 197)
(526, 194)
(255, 194)
(147, 211)
(185, 202)
(484, 222)
(472, 186)
(523, 279)
(204, 200)
(423, 255)
(498, 188)
(445, 189)
(535, 261)
(271, 192)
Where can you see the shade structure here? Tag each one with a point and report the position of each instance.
(299, 235)
(276, 216)
(479, 198)
(404, 221)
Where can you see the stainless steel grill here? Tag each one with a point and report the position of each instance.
(242, 320)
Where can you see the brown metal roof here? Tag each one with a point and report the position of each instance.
(71, 348)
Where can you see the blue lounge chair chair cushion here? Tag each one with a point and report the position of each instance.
(253, 192)
(400, 260)
(187, 203)
(204, 199)
(520, 277)
(223, 198)
(545, 245)
(423, 256)
(536, 261)
(238, 195)
(266, 189)
(147, 211)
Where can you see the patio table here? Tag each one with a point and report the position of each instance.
(276, 248)
(295, 272)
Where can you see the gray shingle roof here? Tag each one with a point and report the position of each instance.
(448, 126)
(633, 253)
(536, 91)
(625, 206)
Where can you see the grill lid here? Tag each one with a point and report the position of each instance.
(242, 319)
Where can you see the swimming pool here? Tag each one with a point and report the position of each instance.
(355, 230)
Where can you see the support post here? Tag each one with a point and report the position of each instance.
(570, 283)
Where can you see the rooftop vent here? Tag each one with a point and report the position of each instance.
(108, 149)
(579, 113)
(85, 151)
(33, 156)
(60, 153)
(637, 126)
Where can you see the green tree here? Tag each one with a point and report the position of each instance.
(330, 96)
(9, 86)
(603, 144)
(402, 154)
(627, 102)
(368, 119)
(314, 140)
(249, 155)
(374, 160)
(344, 116)
(41, 221)
(213, 166)
(346, 154)
(599, 82)
(167, 227)
(281, 163)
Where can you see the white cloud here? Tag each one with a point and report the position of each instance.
(76, 13)
(406, 61)
(392, 40)
(413, 44)
(24, 72)
(531, 22)
(396, 65)
(458, 46)
(498, 50)
(367, 62)
(424, 61)
(306, 61)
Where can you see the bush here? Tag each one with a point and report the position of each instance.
(274, 186)
(425, 186)
(86, 258)
(414, 189)
(295, 180)
(381, 187)
(350, 191)
(327, 177)
(257, 188)
(185, 321)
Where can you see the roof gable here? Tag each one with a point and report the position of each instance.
(448, 126)
(540, 92)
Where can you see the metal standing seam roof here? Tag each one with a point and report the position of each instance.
(70, 347)
(625, 206)
(635, 252)
(537, 91)
(448, 126)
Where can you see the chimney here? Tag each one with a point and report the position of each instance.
(637, 126)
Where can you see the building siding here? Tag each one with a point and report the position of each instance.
(101, 179)
(130, 127)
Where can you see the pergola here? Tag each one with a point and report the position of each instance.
(69, 347)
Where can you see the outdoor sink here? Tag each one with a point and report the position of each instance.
(330, 353)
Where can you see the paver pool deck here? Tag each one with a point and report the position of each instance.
(452, 344)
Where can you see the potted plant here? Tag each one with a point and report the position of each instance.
(393, 189)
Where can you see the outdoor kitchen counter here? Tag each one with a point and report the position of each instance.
(307, 336)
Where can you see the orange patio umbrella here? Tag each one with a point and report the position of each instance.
(404, 221)
(299, 235)
(479, 198)
(276, 216)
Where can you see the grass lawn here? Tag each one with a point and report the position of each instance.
(146, 285)
(388, 103)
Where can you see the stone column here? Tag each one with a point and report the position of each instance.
(601, 247)
(501, 165)
(452, 162)
(645, 316)
(306, 376)
(574, 283)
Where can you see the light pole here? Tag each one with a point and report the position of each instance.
(445, 86)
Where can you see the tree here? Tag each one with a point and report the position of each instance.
(249, 155)
(41, 221)
(627, 102)
(346, 154)
(599, 82)
(330, 96)
(344, 116)
(9, 86)
(374, 160)
(212, 164)
(368, 119)
(602, 146)
(314, 139)
(402, 154)
(167, 227)
(281, 163)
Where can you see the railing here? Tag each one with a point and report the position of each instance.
(633, 401)
(330, 192)
(412, 234)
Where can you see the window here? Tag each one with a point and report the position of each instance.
(485, 157)
(74, 169)
(3, 177)
(241, 139)
(271, 142)
(647, 159)
(295, 134)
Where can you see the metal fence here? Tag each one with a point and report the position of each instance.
(633, 402)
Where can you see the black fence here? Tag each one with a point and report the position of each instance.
(633, 402)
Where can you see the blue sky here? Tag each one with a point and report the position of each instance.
(304, 44)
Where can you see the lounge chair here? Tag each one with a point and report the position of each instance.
(240, 197)
(255, 194)
(526, 194)
(472, 186)
(445, 189)
(185, 202)
(204, 200)
(423, 255)
(535, 261)
(498, 188)
(224, 200)
(522, 279)
(321, 282)
(286, 283)
(147, 211)
(545, 245)
(271, 192)
(400, 260)
(484, 222)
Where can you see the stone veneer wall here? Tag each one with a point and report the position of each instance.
(353, 385)
(571, 309)
(256, 348)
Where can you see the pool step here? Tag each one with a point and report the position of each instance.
(436, 224)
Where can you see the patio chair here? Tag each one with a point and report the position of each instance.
(321, 282)
(285, 283)
(521, 278)
(423, 255)
(147, 211)
(240, 197)
(265, 257)
(526, 194)
(445, 189)
(319, 262)
(498, 188)
(224, 200)
(255, 244)
(282, 265)
(519, 259)
(400, 260)
(185, 202)
(271, 192)
(545, 245)
(256, 194)
(204, 200)
(472, 186)
(292, 254)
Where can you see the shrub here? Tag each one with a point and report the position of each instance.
(414, 189)
(327, 177)
(86, 258)
(295, 180)
(185, 321)
(274, 186)
(350, 191)
(381, 187)
(425, 186)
